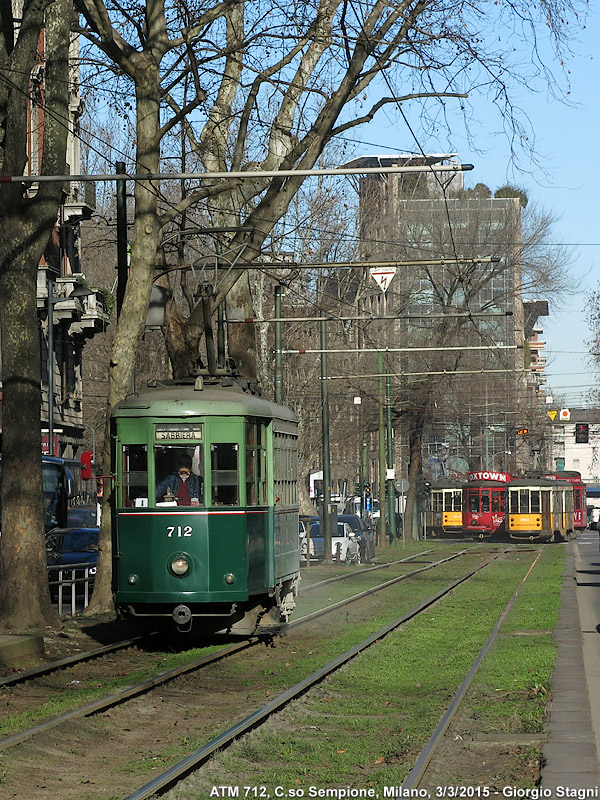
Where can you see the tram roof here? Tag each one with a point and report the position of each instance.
(523, 483)
(447, 483)
(184, 400)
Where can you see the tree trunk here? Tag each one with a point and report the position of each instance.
(242, 336)
(415, 471)
(130, 327)
(27, 225)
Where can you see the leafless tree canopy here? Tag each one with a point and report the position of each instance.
(266, 85)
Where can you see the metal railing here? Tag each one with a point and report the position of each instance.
(72, 587)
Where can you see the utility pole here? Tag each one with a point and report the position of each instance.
(278, 374)
(391, 486)
(122, 265)
(326, 517)
(381, 454)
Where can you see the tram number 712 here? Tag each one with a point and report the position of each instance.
(179, 531)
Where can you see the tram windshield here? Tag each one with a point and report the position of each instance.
(178, 471)
(54, 487)
(453, 500)
(525, 501)
(486, 500)
(181, 468)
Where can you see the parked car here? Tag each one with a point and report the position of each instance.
(363, 534)
(303, 527)
(344, 544)
(82, 517)
(66, 547)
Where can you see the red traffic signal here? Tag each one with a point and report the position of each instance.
(86, 465)
(582, 433)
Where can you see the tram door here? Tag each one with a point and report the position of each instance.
(546, 509)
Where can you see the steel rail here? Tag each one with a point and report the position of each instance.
(186, 765)
(373, 589)
(415, 776)
(138, 689)
(124, 694)
(145, 686)
(361, 571)
(52, 666)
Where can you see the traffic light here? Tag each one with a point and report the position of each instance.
(86, 465)
(582, 433)
(522, 431)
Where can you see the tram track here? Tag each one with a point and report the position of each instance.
(50, 667)
(127, 693)
(112, 702)
(415, 777)
(171, 776)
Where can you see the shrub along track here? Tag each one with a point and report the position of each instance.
(97, 756)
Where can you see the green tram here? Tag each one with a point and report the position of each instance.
(540, 510)
(221, 553)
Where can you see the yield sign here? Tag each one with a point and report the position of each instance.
(383, 276)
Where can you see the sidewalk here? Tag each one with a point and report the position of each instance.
(571, 768)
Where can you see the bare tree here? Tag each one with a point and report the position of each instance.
(272, 85)
(28, 217)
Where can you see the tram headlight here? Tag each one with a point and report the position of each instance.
(180, 565)
(229, 578)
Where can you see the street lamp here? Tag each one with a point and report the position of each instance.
(78, 291)
(501, 453)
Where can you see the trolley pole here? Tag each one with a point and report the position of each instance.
(326, 517)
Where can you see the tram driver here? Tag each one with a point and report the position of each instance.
(182, 486)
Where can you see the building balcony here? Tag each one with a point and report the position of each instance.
(86, 315)
(81, 202)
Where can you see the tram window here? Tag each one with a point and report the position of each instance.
(256, 490)
(437, 501)
(485, 502)
(135, 475)
(474, 502)
(456, 500)
(178, 471)
(497, 501)
(449, 502)
(536, 503)
(224, 474)
(285, 468)
(524, 501)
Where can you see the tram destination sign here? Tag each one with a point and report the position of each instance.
(489, 475)
(173, 433)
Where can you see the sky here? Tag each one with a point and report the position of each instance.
(569, 190)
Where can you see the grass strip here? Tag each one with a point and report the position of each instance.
(363, 727)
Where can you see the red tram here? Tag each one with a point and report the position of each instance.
(484, 504)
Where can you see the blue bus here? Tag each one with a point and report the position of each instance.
(58, 485)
